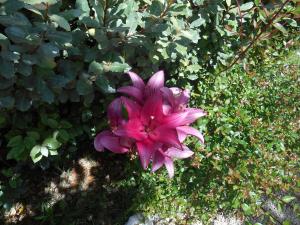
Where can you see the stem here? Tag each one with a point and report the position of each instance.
(256, 37)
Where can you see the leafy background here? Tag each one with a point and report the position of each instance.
(61, 62)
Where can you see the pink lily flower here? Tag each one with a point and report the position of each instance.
(156, 125)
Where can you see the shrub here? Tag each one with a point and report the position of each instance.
(62, 60)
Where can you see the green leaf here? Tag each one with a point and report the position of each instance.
(119, 67)
(23, 103)
(246, 6)
(35, 135)
(247, 209)
(48, 50)
(83, 5)
(288, 199)
(96, 68)
(18, 19)
(281, 28)
(44, 151)
(7, 102)
(47, 95)
(29, 142)
(7, 69)
(36, 154)
(84, 87)
(62, 22)
(104, 85)
(15, 141)
(197, 23)
(40, 2)
(51, 143)
(16, 34)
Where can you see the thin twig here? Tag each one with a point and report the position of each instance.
(241, 19)
(256, 37)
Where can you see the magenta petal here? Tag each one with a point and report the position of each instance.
(114, 112)
(97, 141)
(152, 109)
(132, 129)
(165, 135)
(168, 95)
(183, 131)
(194, 114)
(136, 80)
(175, 90)
(133, 109)
(145, 150)
(166, 108)
(108, 140)
(132, 91)
(170, 166)
(183, 98)
(178, 153)
(158, 161)
(175, 119)
(156, 81)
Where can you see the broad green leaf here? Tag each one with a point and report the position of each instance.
(35, 150)
(44, 151)
(36, 154)
(83, 5)
(40, 2)
(23, 103)
(104, 85)
(29, 142)
(119, 67)
(96, 68)
(15, 141)
(18, 19)
(16, 34)
(7, 102)
(47, 95)
(84, 87)
(35, 135)
(246, 6)
(51, 143)
(197, 23)
(49, 50)
(7, 69)
(281, 28)
(62, 22)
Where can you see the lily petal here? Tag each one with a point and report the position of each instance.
(152, 108)
(170, 166)
(111, 142)
(178, 153)
(132, 129)
(183, 131)
(114, 112)
(165, 135)
(97, 141)
(155, 83)
(132, 91)
(158, 161)
(175, 119)
(168, 95)
(145, 150)
(184, 97)
(136, 80)
(133, 108)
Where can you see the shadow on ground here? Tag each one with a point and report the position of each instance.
(84, 192)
